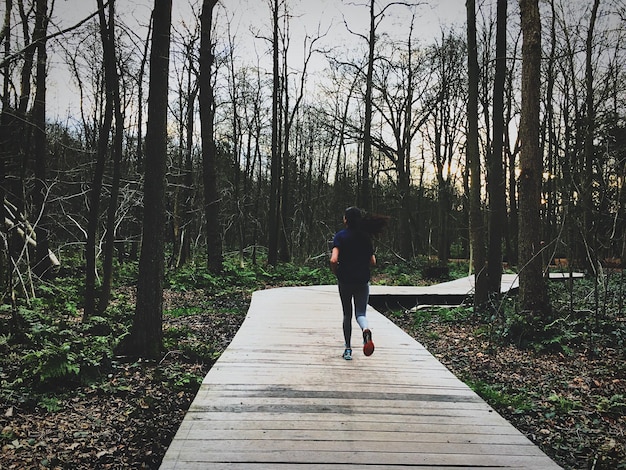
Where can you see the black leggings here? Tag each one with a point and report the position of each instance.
(347, 293)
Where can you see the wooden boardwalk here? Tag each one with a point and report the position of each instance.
(281, 396)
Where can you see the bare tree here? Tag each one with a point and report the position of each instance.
(111, 85)
(449, 109)
(495, 174)
(532, 291)
(477, 228)
(182, 171)
(290, 115)
(511, 151)
(589, 228)
(113, 93)
(42, 261)
(209, 150)
(274, 196)
(146, 335)
(5, 145)
(403, 105)
(365, 189)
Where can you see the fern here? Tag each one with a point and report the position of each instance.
(52, 362)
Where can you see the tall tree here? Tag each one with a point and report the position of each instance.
(43, 261)
(290, 115)
(495, 172)
(112, 87)
(532, 291)
(450, 109)
(365, 189)
(589, 234)
(477, 227)
(187, 87)
(111, 99)
(511, 151)
(404, 122)
(209, 149)
(5, 142)
(274, 196)
(146, 335)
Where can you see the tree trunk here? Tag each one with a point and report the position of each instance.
(589, 236)
(477, 226)
(95, 192)
(532, 292)
(187, 192)
(404, 159)
(495, 175)
(142, 69)
(209, 149)
(6, 140)
(43, 263)
(286, 199)
(146, 336)
(364, 197)
(112, 86)
(274, 197)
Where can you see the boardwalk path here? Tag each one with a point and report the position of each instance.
(281, 396)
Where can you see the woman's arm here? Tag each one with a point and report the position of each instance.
(334, 260)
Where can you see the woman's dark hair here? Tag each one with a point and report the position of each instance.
(372, 224)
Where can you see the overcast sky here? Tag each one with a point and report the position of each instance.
(308, 16)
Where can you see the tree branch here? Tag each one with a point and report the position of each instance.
(35, 43)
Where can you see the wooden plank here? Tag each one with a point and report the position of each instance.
(484, 458)
(332, 466)
(346, 433)
(267, 449)
(213, 422)
(281, 396)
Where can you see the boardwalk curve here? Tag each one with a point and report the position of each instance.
(281, 396)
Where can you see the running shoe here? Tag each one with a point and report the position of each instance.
(347, 354)
(368, 344)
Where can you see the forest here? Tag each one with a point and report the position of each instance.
(498, 143)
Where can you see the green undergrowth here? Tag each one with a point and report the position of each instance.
(584, 314)
(498, 397)
(47, 348)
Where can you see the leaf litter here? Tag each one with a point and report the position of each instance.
(573, 406)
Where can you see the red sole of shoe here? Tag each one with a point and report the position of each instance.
(368, 348)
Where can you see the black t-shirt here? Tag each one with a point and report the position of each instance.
(355, 253)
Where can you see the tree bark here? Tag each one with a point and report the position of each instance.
(495, 174)
(274, 196)
(209, 149)
(365, 190)
(477, 226)
(6, 130)
(590, 228)
(112, 86)
(95, 192)
(43, 263)
(532, 292)
(146, 336)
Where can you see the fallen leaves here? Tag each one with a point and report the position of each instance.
(126, 421)
(578, 405)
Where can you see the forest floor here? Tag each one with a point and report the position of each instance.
(571, 405)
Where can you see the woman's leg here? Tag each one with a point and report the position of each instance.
(345, 294)
(361, 298)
